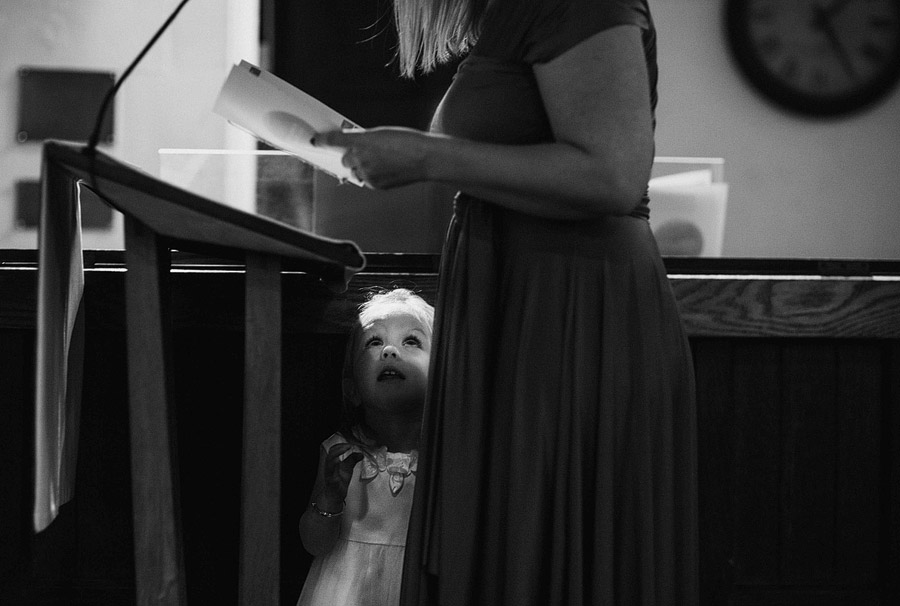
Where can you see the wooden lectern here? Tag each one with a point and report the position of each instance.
(159, 218)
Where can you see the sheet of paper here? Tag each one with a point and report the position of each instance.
(688, 178)
(283, 116)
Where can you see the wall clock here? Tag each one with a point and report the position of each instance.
(817, 57)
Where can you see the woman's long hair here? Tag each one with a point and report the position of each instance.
(431, 32)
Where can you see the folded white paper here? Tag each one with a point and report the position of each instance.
(688, 219)
(685, 179)
(283, 116)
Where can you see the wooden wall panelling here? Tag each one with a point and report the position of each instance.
(86, 555)
(757, 463)
(713, 363)
(859, 451)
(889, 552)
(792, 470)
(758, 307)
(16, 386)
(208, 366)
(103, 559)
(311, 412)
(808, 442)
(799, 436)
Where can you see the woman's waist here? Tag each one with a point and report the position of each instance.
(606, 236)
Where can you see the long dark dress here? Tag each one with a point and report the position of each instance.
(559, 445)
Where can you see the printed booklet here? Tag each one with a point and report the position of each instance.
(282, 116)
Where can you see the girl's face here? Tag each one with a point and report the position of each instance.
(390, 364)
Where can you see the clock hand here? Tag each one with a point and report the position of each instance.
(822, 21)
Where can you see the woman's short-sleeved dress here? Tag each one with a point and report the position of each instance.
(558, 463)
(365, 567)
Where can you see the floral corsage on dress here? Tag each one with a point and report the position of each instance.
(398, 466)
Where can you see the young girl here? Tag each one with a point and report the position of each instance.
(358, 513)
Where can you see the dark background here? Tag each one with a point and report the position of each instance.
(342, 53)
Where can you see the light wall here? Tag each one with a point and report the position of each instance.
(797, 187)
(166, 102)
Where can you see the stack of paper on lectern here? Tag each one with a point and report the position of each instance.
(687, 213)
(282, 116)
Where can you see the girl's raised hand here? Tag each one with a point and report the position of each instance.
(382, 157)
(337, 475)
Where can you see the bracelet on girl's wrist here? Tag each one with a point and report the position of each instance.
(329, 514)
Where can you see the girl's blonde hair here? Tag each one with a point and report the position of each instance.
(431, 32)
(352, 423)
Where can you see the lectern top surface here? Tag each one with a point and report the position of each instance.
(187, 218)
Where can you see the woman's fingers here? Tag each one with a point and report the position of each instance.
(381, 157)
(341, 140)
(334, 138)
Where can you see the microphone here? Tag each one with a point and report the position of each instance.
(95, 135)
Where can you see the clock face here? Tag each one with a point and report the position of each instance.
(817, 57)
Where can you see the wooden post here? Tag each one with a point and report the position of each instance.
(159, 561)
(259, 580)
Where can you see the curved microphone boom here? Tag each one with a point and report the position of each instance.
(95, 135)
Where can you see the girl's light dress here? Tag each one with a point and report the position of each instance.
(364, 568)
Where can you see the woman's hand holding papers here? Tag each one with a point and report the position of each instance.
(382, 157)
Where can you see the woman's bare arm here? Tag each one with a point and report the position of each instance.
(597, 98)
